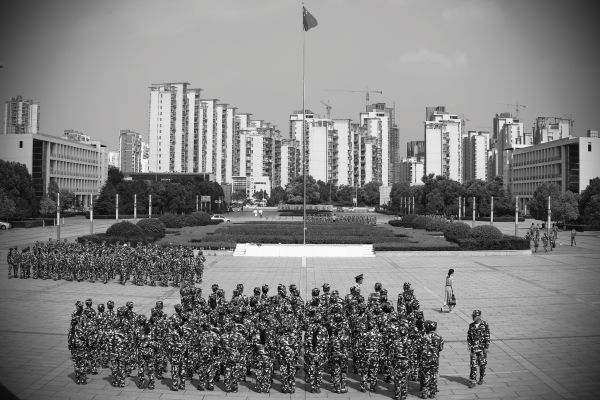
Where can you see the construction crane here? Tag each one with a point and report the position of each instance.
(366, 92)
(328, 108)
(517, 108)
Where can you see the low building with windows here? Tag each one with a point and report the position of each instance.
(570, 163)
(80, 167)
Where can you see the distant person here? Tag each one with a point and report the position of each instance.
(573, 234)
(359, 281)
(478, 342)
(260, 212)
(449, 303)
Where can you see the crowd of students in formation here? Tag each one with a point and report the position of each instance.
(265, 336)
(145, 264)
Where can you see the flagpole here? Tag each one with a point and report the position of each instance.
(303, 137)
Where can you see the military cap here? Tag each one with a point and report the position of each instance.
(110, 304)
(78, 304)
(100, 307)
(358, 277)
(257, 290)
(326, 287)
(129, 304)
(476, 313)
(88, 302)
(315, 292)
(159, 304)
(178, 307)
(406, 286)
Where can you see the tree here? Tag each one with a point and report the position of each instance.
(261, 195)
(589, 203)
(47, 206)
(399, 191)
(370, 193)
(277, 196)
(294, 191)
(345, 194)
(435, 203)
(7, 205)
(105, 203)
(538, 205)
(239, 196)
(67, 200)
(18, 186)
(115, 176)
(566, 208)
(53, 190)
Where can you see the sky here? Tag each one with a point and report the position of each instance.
(90, 63)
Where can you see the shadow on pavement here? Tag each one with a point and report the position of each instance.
(458, 379)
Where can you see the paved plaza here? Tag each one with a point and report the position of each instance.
(543, 311)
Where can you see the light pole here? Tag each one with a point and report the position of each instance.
(91, 213)
(58, 216)
(492, 211)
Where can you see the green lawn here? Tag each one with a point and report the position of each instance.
(383, 237)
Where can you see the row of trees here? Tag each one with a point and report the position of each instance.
(177, 196)
(437, 195)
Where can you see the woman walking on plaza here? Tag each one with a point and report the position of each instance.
(449, 300)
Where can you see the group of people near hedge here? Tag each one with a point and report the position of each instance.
(234, 338)
(535, 234)
(144, 265)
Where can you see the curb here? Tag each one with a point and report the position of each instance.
(470, 253)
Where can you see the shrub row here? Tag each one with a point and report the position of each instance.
(199, 218)
(300, 213)
(296, 207)
(213, 245)
(104, 238)
(343, 219)
(121, 216)
(405, 247)
(32, 223)
(582, 228)
(505, 218)
(506, 243)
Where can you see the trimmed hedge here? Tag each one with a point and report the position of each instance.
(403, 247)
(505, 218)
(103, 238)
(32, 223)
(486, 232)
(436, 225)
(505, 243)
(152, 227)
(125, 229)
(582, 228)
(199, 218)
(457, 230)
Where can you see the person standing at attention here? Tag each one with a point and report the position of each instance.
(478, 342)
(449, 291)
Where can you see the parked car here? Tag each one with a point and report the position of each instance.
(218, 217)
(5, 225)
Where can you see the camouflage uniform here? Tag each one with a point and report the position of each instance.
(431, 345)
(207, 348)
(339, 359)
(147, 358)
(287, 360)
(400, 364)
(77, 343)
(232, 344)
(264, 370)
(118, 346)
(371, 343)
(315, 352)
(478, 342)
(176, 348)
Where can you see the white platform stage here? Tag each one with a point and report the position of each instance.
(299, 250)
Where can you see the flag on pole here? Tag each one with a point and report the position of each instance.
(308, 20)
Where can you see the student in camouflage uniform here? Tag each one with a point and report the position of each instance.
(175, 350)
(478, 342)
(315, 351)
(104, 325)
(77, 343)
(371, 347)
(399, 355)
(146, 355)
(118, 345)
(207, 348)
(287, 359)
(11, 261)
(338, 344)
(264, 370)
(431, 346)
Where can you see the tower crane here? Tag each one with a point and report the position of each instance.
(517, 108)
(328, 108)
(366, 92)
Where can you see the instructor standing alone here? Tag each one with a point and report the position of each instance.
(449, 291)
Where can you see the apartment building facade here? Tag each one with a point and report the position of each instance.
(443, 143)
(21, 116)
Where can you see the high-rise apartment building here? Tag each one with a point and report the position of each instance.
(21, 116)
(547, 129)
(475, 146)
(508, 135)
(131, 151)
(443, 147)
(411, 170)
(379, 122)
(415, 148)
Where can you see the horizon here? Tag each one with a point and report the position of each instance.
(90, 64)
